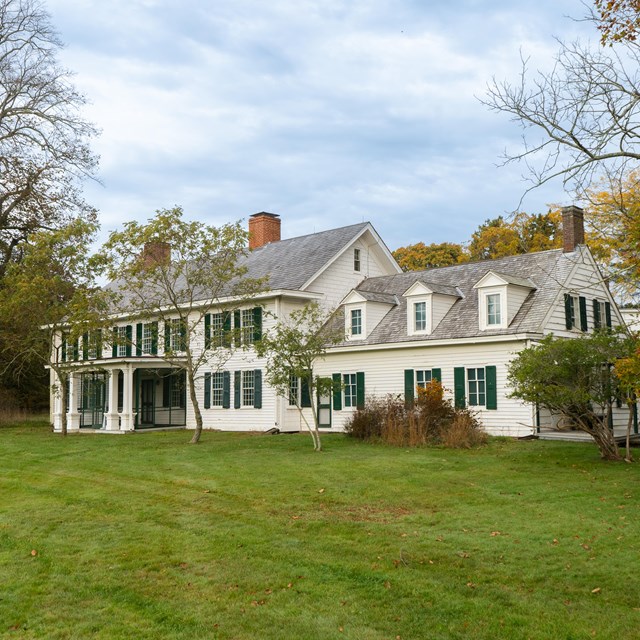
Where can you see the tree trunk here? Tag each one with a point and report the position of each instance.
(628, 457)
(602, 435)
(314, 410)
(196, 408)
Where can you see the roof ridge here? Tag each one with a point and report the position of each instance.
(316, 233)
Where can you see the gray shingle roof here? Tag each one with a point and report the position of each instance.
(546, 271)
(290, 263)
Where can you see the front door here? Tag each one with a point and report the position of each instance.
(147, 402)
(324, 411)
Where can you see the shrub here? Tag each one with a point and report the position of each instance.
(431, 420)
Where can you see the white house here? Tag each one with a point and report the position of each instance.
(461, 324)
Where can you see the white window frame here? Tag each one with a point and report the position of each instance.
(419, 324)
(480, 386)
(575, 313)
(483, 311)
(294, 392)
(357, 260)
(217, 330)
(122, 342)
(247, 388)
(247, 324)
(353, 314)
(92, 345)
(494, 309)
(147, 338)
(217, 388)
(412, 305)
(349, 390)
(421, 376)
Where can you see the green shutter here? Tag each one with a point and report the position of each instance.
(584, 326)
(257, 324)
(183, 335)
(129, 330)
(226, 390)
(76, 352)
(63, 348)
(98, 344)
(139, 329)
(408, 387)
(85, 346)
(207, 390)
(436, 374)
(597, 320)
(114, 342)
(237, 381)
(458, 387)
(360, 390)
(492, 387)
(568, 311)
(305, 396)
(257, 389)
(226, 327)
(236, 327)
(154, 338)
(607, 313)
(207, 331)
(337, 391)
(167, 336)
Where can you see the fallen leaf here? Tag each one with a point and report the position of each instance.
(321, 491)
(34, 552)
(555, 541)
(496, 533)
(596, 590)
(387, 585)
(471, 585)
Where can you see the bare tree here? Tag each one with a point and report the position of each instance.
(44, 151)
(580, 119)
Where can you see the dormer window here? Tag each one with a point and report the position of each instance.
(500, 297)
(420, 316)
(494, 314)
(356, 259)
(356, 322)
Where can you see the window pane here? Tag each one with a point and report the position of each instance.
(217, 385)
(493, 309)
(122, 342)
(293, 390)
(349, 380)
(356, 259)
(247, 388)
(247, 326)
(356, 322)
(420, 315)
(423, 378)
(476, 387)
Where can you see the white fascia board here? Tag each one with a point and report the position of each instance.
(417, 289)
(515, 337)
(353, 297)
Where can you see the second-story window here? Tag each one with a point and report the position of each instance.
(122, 342)
(247, 326)
(147, 338)
(356, 322)
(356, 259)
(177, 335)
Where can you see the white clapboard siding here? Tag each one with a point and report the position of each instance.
(384, 374)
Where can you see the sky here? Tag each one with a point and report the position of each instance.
(326, 112)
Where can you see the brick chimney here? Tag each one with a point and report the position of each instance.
(572, 227)
(155, 254)
(263, 228)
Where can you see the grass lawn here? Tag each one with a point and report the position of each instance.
(246, 536)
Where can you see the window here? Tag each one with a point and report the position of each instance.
(294, 390)
(122, 342)
(423, 378)
(217, 389)
(420, 316)
(350, 389)
(247, 326)
(356, 259)
(177, 335)
(147, 338)
(93, 344)
(356, 322)
(570, 304)
(177, 390)
(217, 330)
(494, 316)
(248, 388)
(476, 387)
(599, 313)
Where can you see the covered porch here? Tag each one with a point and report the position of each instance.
(123, 397)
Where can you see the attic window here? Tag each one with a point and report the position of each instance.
(356, 259)
(420, 316)
(356, 322)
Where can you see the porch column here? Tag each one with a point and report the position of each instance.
(127, 422)
(73, 417)
(56, 401)
(112, 416)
